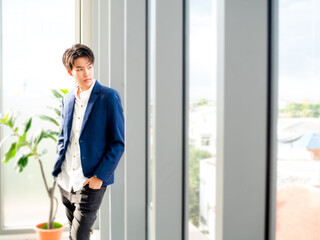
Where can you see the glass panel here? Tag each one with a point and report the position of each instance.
(151, 119)
(35, 35)
(298, 192)
(202, 119)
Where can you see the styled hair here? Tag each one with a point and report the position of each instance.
(76, 51)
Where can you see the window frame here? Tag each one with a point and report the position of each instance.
(244, 63)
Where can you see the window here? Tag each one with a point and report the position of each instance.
(202, 119)
(298, 163)
(35, 34)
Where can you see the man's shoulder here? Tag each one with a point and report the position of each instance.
(69, 95)
(107, 91)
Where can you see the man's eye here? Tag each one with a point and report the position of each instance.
(90, 67)
(79, 69)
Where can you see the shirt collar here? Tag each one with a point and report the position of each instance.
(85, 94)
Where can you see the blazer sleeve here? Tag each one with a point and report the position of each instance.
(115, 138)
(61, 137)
(60, 144)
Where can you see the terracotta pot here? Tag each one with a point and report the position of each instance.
(48, 234)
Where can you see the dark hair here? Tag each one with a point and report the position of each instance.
(76, 51)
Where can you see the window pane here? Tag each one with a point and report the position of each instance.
(35, 35)
(202, 119)
(298, 205)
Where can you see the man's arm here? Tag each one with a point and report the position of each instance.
(61, 137)
(115, 136)
(60, 144)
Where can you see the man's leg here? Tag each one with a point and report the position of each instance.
(70, 207)
(87, 204)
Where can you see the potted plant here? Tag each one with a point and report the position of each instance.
(25, 146)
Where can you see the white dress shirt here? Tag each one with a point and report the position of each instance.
(71, 175)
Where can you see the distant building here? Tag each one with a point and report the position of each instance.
(208, 197)
(202, 127)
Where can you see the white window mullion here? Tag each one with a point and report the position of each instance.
(242, 119)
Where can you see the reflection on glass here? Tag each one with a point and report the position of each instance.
(35, 35)
(298, 184)
(202, 119)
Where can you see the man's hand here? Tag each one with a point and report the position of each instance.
(94, 183)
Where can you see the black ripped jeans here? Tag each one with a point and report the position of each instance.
(81, 209)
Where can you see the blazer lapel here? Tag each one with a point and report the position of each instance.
(91, 102)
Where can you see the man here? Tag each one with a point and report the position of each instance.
(90, 144)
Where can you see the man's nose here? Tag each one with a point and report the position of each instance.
(85, 72)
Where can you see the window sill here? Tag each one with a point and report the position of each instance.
(32, 236)
(29, 236)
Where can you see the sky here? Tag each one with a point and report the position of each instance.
(298, 56)
(35, 35)
(299, 50)
(202, 50)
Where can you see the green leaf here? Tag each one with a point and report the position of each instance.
(56, 93)
(50, 134)
(57, 110)
(10, 154)
(55, 225)
(50, 119)
(33, 140)
(52, 137)
(21, 142)
(22, 162)
(54, 133)
(6, 117)
(28, 125)
(43, 134)
(11, 120)
(65, 91)
(30, 155)
(2, 120)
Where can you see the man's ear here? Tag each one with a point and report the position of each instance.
(69, 71)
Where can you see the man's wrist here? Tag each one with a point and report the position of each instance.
(95, 176)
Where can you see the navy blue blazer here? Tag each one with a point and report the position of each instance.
(101, 138)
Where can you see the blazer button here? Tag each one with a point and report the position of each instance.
(73, 169)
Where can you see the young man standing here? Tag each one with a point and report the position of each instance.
(90, 144)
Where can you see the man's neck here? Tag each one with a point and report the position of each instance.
(80, 91)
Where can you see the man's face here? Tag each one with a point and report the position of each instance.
(82, 72)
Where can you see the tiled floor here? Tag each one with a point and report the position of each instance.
(94, 236)
(298, 213)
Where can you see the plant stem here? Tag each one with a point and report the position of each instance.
(51, 216)
(43, 175)
(49, 191)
